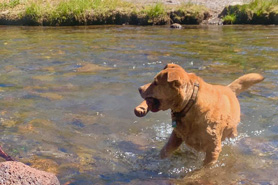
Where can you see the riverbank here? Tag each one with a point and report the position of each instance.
(145, 12)
(96, 12)
(256, 12)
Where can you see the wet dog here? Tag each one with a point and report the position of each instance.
(203, 114)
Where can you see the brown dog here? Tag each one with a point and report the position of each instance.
(203, 114)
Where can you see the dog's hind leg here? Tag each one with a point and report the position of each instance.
(173, 143)
(212, 153)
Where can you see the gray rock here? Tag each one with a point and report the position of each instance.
(12, 172)
(176, 25)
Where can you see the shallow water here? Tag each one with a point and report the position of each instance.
(67, 96)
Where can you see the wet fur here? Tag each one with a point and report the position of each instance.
(213, 117)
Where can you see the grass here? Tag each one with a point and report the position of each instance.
(155, 13)
(229, 19)
(258, 11)
(34, 11)
(260, 6)
(10, 4)
(69, 9)
(156, 10)
(80, 12)
(192, 8)
(190, 12)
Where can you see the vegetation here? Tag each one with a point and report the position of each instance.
(256, 12)
(33, 11)
(86, 12)
(155, 13)
(189, 13)
(82, 12)
(229, 19)
(156, 10)
(10, 4)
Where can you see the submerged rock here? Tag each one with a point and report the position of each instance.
(47, 165)
(89, 68)
(12, 172)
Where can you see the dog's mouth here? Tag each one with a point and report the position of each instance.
(153, 104)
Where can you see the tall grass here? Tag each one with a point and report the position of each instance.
(34, 11)
(260, 6)
(229, 19)
(10, 4)
(155, 11)
(73, 12)
(79, 7)
(71, 9)
(257, 11)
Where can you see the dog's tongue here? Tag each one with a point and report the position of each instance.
(153, 104)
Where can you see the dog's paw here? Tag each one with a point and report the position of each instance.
(140, 111)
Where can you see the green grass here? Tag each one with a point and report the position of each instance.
(67, 10)
(189, 13)
(78, 9)
(260, 6)
(155, 11)
(229, 19)
(192, 8)
(34, 11)
(257, 11)
(70, 9)
(10, 4)
(80, 12)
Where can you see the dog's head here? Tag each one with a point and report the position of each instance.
(168, 89)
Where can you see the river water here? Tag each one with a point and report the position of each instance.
(67, 96)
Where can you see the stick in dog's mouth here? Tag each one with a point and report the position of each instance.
(153, 104)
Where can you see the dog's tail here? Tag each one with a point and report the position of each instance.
(244, 82)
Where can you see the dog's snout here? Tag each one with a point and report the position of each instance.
(140, 90)
(144, 90)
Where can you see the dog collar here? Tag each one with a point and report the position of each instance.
(176, 116)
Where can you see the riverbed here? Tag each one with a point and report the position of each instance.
(67, 96)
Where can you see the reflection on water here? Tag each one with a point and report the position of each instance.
(67, 97)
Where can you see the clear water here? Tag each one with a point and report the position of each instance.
(67, 96)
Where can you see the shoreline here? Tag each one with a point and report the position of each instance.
(152, 12)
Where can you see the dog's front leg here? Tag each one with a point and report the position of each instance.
(173, 143)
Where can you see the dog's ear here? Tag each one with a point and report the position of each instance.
(172, 76)
(172, 66)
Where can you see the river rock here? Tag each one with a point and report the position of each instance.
(12, 172)
(176, 25)
(89, 68)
